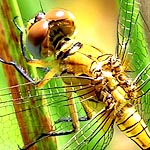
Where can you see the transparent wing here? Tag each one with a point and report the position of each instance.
(27, 112)
(134, 51)
(96, 134)
(133, 47)
(142, 102)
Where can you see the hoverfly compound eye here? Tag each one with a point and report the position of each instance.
(63, 20)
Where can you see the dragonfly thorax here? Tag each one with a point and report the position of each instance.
(112, 85)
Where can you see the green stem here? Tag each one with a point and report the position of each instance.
(22, 127)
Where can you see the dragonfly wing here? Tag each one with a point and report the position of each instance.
(133, 47)
(47, 106)
(142, 103)
(134, 51)
(95, 134)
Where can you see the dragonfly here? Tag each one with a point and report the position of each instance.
(105, 89)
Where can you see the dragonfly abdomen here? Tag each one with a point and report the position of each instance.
(132, 125)
(116, 91)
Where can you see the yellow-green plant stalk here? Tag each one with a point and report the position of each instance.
(24, 126)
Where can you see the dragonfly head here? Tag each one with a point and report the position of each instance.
(47, 27)
(61, 24)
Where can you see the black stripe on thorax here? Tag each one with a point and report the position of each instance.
(64, 54)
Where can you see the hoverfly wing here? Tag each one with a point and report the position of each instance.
(95, 134)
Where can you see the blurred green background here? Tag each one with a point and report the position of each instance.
(96, 25)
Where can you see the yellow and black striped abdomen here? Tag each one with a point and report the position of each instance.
(133, 126)
(117, 92)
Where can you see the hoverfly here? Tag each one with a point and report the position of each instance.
(101, 82)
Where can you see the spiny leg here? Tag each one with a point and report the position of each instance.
(44, 135)
(47, 77)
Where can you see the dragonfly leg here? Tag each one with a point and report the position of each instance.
(69, 119)
(19, 69)
(34, 62)
(44, 135)
(40, 83)
(21, 39)
(73, 110)
(47, 77)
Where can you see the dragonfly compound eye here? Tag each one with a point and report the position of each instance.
(38, 32)
(61, 20)
(35, 36)
(39, 17)
(58, 22)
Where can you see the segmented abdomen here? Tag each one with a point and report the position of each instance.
(132, 125)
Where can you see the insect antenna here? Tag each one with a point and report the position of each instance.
(42, 10)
